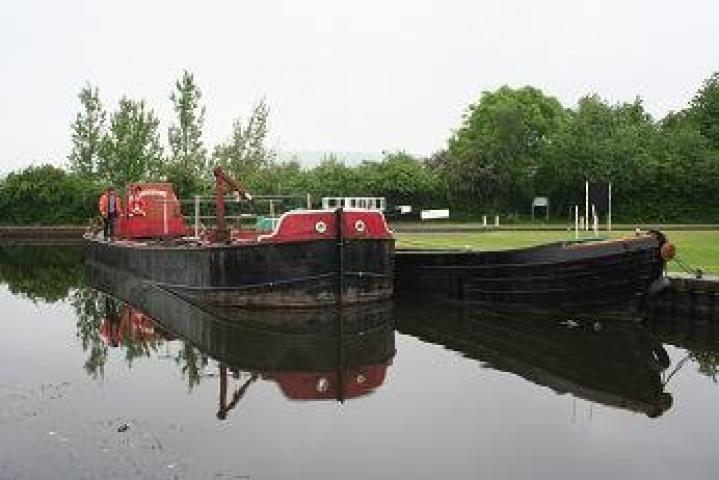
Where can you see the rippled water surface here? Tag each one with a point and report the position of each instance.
(140, 384)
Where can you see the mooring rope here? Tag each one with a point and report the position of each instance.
(677, 367)
(697, 272)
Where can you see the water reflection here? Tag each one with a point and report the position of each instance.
(614, 361)
(336, 354)
(694, 332)
(41, 273)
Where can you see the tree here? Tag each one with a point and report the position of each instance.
(188, 162)
(401, 178)
(131, 149)
(47, 195)
(705, 109)
(601, 143)
(332, 178)
(245, 153)
(496, 152)
(87, 133)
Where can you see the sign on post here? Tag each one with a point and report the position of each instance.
(541, 202)
(433, 214)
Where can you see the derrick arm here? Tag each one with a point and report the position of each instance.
(222, 180)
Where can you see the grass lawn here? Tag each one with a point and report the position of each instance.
(696, 248)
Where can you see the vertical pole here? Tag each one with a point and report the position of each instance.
(272, 209)
(309, 202)
(223, 391)
(496, 220)
(341, 357)
(595, 221)
(339, 236)
(164, 216)
(609, 216)
(197, 216)
(220, 233)
(576, 222)
(484, 221)
(586, 205)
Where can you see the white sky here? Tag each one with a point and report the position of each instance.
(339, 76)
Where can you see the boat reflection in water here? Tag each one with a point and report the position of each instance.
(616, 362)
(328, 354)
(617, 359)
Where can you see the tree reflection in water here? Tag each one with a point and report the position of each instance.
(45, 273)
(104, 323)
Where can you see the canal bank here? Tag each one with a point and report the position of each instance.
(29, 234)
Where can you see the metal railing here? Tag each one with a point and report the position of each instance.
(200, 210)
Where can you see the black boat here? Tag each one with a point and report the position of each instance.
(310, 258)
(562, 274)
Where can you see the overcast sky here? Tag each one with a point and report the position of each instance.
(339, 76)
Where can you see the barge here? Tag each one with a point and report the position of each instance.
(563, 274)
(311, 258)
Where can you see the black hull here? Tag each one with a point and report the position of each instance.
(555, 275)
(289, 274)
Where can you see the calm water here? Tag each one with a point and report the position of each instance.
(94, 387)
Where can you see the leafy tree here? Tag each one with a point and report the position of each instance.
(131, 149)
(496, 152)
(599, 142)
(705, 109)
(245, 153)
(47, 195)
(279, 178)
(87, 133)
(188, 162)
(332, 178)
(402, 179)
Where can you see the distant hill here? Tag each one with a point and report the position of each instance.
(310, 159)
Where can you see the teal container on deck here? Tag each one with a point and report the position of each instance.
(266, 224)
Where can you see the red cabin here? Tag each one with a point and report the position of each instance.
(152, 210)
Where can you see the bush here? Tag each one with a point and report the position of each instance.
(47, 195)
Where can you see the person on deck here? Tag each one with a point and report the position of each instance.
(110, 207)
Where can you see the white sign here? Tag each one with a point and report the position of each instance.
(433, 214)
(404, 209)
(540, 202)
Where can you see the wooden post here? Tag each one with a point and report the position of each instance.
(586, 205)
(576, 222)
(609, 216)
(220, 231)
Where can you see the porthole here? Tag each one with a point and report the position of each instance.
(322, 385)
